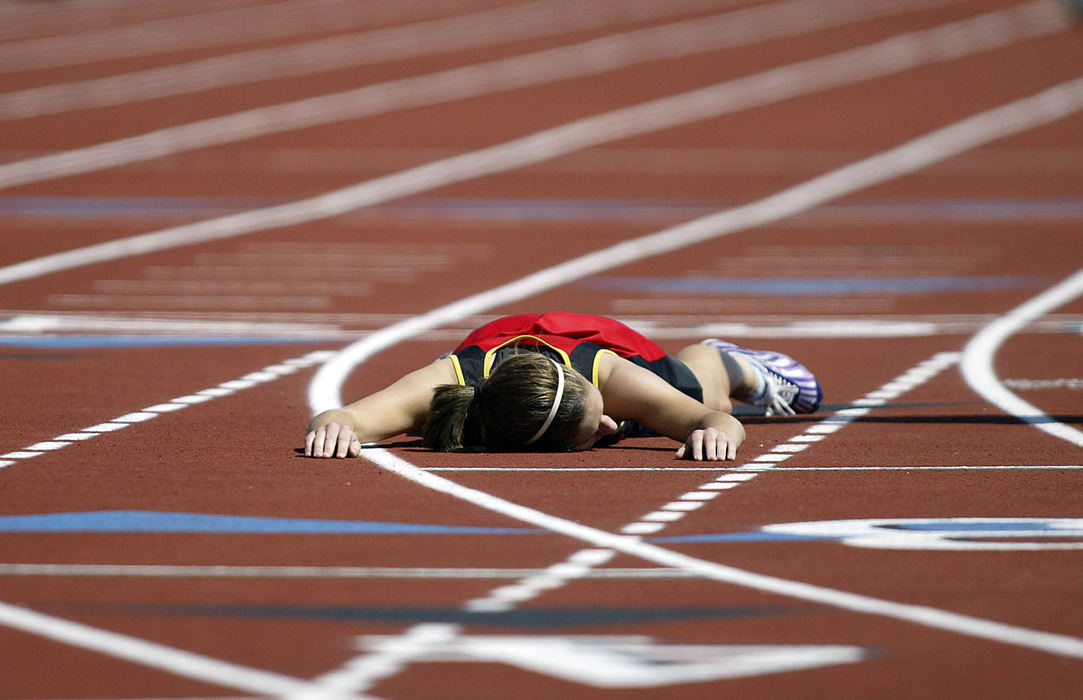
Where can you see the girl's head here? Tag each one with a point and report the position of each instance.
(508, 410)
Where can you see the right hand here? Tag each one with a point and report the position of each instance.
(332, 440)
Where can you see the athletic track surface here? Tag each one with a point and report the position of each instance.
(219, 216)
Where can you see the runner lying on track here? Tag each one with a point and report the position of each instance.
(562, 382)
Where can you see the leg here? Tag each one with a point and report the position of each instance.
(722, 376)
(780, 384)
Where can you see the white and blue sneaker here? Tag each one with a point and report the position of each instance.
(787, 386)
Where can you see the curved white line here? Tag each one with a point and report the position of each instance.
(978, 355)
(1047, 106)
(1051, 643)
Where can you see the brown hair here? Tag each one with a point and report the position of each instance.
(505, 410)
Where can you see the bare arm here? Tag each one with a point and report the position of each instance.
(632, 392)
(397, 409)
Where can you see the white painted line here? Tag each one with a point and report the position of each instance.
(485, 28)
(128, 419)
(236, 384)
(574, 469)
(6, 463)
(140, 651)
(137, 417)
(825, 428)
(682, 506)
(912, 468)
(165, 407)
(805, 437)
(1056, 644)
(905, 51)
(221, 390)
(771, 457)
(790, 447)
(699, 496)
(662, 516)
(729, 480)
(193, 398)
(48, 445)
(203, 30)
(1045, 107)
(978, 355)
(258, 377)
(589, 58)
(76, 436)
(642, 528)
(327, 572)
(105, 427)
(592, 557)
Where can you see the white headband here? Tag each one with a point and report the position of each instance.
(556, 404)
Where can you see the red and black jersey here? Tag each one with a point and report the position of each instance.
(576, 340)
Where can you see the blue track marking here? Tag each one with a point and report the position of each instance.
(118, 521)
(532, 617)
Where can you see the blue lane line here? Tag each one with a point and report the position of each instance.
(118, 521)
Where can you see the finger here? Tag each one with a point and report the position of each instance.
(309, 439)
(355, 447)
(731, 449)
(330, 439)
(697, 445)
(710, 444)
(318, 440)
(345, 437)
(680, 452)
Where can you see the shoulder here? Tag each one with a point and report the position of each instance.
(443, 371)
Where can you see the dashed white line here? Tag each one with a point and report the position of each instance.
(769, 461)
(129, 419)
(1051, 643)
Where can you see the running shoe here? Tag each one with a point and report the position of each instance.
(791, 387)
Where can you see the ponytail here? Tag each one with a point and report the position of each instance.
(454, 424)
(506, 410)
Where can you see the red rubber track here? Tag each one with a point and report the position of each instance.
(1008, 211)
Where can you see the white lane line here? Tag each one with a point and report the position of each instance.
(749, 469)
(978, 355)
(1051, 643)
(487, 27)
(987, 126)
(327, 572)
(146, 653)
(149, 413)
(948, 42)
(199, 31)
(577, 566)
(1030, 112)
(769, 461)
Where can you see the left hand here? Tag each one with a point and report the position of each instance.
(708, 444)
(332, 440)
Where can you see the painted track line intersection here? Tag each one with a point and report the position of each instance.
(385, 656)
